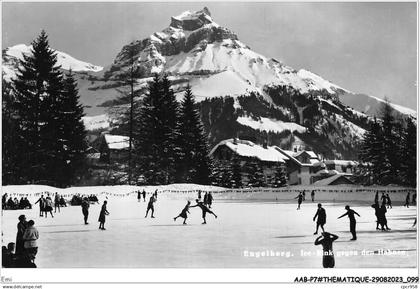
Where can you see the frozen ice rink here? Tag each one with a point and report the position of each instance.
(242, 228)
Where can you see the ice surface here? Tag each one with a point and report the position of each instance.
(133, 241)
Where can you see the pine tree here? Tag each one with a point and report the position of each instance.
(169, 130)
(72, 153)
(194, 163)
(370, 153)
(38, 87)
(408, 154)
(279, 179)
(10, 138)
(236, 173)
(391, 164)
(255, 174)
(147, 142)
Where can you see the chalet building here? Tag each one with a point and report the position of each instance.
(113, 148)
(302, 167)
(268, 157)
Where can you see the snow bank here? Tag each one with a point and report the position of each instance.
(96, 122)
(268, 124)
(342, 193)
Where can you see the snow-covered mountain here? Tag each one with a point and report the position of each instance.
(214, 59)
(13, 54)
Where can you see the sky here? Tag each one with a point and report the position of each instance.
(364, 47)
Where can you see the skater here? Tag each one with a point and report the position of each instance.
(414, 199)
(138, 196)
(85, 209)
(199, 194)
(150, 206)
(327, 247)
(56, 203)
(144, 196)
(407, 200)
(299, 197)
(322, 218)
(204, 209)
(41, 202)
(376, 198)
(205, 199)
(376, 207)
(388, 202)
(313, 196)
(303, 195)
(30, 236)
(102, 215)
(383, 199)
(21, 228)
(209, 199)
(184, 213)
(48, 207)
(350, 213)
(382, 218)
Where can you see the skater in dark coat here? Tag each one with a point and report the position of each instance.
(350, 213)
(376, 207)
(199, 194)
(383, 199)
(85, 209)
(138, 196)
(326, 240)
(144, 195)
(388, 202)
(300, 198)
(376, 198)
(382, 218)
(407, 200)
(104, 212)
(205, 199)
(56, 203)
(204, 209)
(313, 195)
(303, 195)
(414, 199)
(150, 206)
(184, 213)
(41, 202)
(322, 218)
(21, 227)
(209, 199)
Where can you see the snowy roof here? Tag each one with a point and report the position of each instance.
(311, 154)
(329, 180)
(249, 149)
(340, 162)
(117, 142)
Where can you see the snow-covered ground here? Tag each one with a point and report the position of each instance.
(243, 227)
(268, 124)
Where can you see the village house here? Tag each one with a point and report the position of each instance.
(301, 167)
(268, 157)
(113, 148)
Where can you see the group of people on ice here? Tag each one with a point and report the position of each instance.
(22, 253)
(15, 204)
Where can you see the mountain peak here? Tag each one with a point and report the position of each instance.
(64, 60)
(189, 20)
